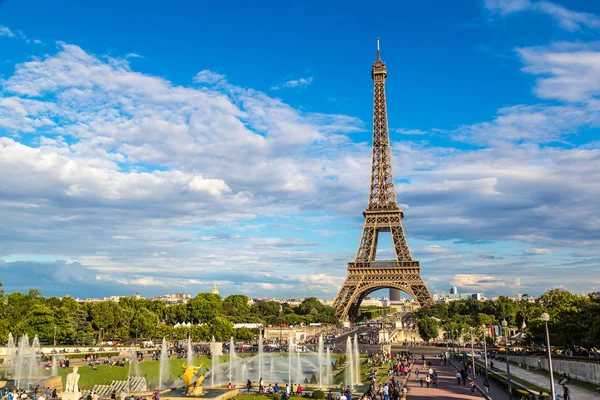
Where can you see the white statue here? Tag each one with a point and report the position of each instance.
(72, 380)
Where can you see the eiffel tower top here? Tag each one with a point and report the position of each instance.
(382, 196)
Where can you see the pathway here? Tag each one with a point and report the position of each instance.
(577, 393)
(447, 388)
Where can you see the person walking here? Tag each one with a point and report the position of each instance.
(249, 385)
(458, 377)
(427, 380)
(486, 386)
(566, 392)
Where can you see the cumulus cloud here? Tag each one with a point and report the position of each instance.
(5, 31)
(567, 19)
(210, 77)
(538, 251)
(217, 180)
(293, 83)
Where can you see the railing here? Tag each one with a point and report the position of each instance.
(385, 264)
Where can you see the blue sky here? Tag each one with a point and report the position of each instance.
(162, 147)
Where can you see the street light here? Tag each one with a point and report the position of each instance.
(472, 355)
(505, 326)
(484, 327)
(545, 317)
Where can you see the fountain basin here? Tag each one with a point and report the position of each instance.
(215, 394)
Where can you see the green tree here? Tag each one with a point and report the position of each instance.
(218, 327)
(236, 305)
(244, 335)
(428, 328)
(143, 324)
(270, 308)
(204, 307)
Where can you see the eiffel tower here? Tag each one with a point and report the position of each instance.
(365, 275)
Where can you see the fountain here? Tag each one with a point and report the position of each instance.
(163, 375)
(320, 360)
(214, 361)
(12, 349)
(260, 356)
(232, 359)
(328, 372)
(291, 350)
(20, 362)
(54, 366)
(356, 361)
(349, 375)
(294, 366)
(190, 352)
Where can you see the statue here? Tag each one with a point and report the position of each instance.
(71, 388)
(192, 388)
(72, 380)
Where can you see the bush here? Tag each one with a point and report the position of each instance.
(313, 379)
(318, 394)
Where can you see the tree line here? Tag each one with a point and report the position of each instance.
(574, 319)
(131, 317)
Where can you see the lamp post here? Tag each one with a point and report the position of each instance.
(505, 326)
(485, 352)
(545, 317)
(472, 355)
(54, 341)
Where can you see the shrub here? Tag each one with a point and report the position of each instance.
(318, 394)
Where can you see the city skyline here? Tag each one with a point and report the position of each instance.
(185, 145)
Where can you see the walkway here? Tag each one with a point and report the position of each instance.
(447, 388)
(542, 381)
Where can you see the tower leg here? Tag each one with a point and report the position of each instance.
(394, 295)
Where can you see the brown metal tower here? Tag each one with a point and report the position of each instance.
(365, 275)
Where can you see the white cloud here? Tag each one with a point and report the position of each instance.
(567, 71)
(206, 76)
(505, 7)
(538, 251)
(119, 154)
(293, 83)
(403, 131)
(476, 282)
(568, 19)
(5, 31)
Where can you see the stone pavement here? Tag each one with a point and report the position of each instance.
(447, 388)
(544, 382)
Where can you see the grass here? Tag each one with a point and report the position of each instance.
(106, 374)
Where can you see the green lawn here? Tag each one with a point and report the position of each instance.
(106, 374)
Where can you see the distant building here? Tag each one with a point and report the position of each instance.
(214, 289)
(454, 295)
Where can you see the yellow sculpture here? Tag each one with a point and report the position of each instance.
(193, 388)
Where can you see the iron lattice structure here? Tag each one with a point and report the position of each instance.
(365, 275)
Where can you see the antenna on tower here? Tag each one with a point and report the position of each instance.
(378, 52)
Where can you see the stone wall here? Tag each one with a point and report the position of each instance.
(587, 371)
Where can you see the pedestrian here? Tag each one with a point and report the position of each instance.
(541, 396)
(566, 393)
(386, 392)
(427, 380)
(249, 385)
(472, 386)
(417, 374)
(421, 382)
(458, 377)
(486, 386)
